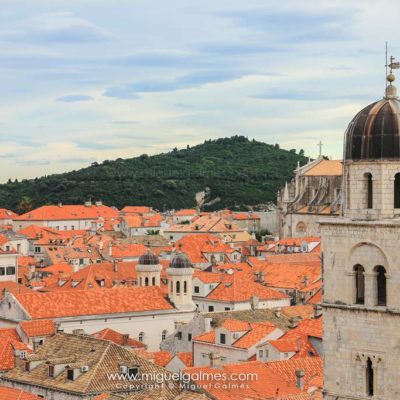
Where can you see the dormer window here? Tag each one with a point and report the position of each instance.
(27, 366)
(51, 371)
(70, 375)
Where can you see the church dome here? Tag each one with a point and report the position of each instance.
(374, 133)
(180, 261)
(148, 259)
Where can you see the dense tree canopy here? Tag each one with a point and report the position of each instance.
(238, 171)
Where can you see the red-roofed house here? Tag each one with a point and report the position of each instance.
(7, 216)
(205, 249)
(7, 393)
(234, 341)
(34, 333)
(185, 215)
(119, 338)
(65, 217)
(235, 290)
(273, 380)
(142, 312)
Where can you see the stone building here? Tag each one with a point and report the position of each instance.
(314, 193)
(361, 264)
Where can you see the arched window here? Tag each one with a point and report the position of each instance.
(381, 285)
(359, 283)
(178, 287)
(397, 191)
(146, 281)
(164, 335)
(185, 287)
(141, 337)
(370, 192)
(369, 378)
(153, 281)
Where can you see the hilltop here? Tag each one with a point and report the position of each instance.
(229, 172)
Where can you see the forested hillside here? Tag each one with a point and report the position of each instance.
(233, 172)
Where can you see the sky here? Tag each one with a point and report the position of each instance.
(84, 81)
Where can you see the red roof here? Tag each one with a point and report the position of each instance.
(7, 393)
(7, 214)
(136, 209)
(185, 212)
(38, 327)
(240, 286)
(13, 287)
(161, 358)
(317, 298)
(68, 212)
(118, 338)
(128, 250)
(272, 379)
(93, 302)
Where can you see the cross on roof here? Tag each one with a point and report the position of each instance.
(320, 149)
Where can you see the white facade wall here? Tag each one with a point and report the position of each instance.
(8, 267)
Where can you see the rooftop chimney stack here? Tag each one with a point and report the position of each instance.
(300, 378)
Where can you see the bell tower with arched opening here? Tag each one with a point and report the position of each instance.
(361, 262)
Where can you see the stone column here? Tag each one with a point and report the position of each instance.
(371, 298)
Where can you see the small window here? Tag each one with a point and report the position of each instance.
(210, 308)
(164, 335)
(70, 374)
(197, 289)
(10, 270)
(189, 337)
(227, 309)
(179, 335)
(51, 371)
(2, 271)
(222, 338)
(185, 287)
(37, 249)
(132, 372)
(27, 366)
(261, 353)
(141, 336)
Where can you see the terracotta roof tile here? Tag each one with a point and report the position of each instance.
(7, 393)
(38, 328)
(93, 302)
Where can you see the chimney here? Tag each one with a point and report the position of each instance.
(317, 311)
(306, 281)
(300, 378)
(125, 338)
(59, 204)
(277, 312)
(99, 203)
(88, 203)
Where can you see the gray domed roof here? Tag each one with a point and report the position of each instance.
(374, 133)
(180, 260)
(148, 259)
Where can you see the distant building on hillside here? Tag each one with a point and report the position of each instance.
(314, 193)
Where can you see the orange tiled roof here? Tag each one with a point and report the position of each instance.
(68, 212)
(128, 250)
(7, 346)
(209, 223)
(197, 245)
(118, 338)
(7, 214)
(161, 358)
(186, 212)
(274, 379)
(136, 209)
(93, 302)
(186, 358)
(303, 311)
(241, 287)
(8, 333)
(246, 216)
(13, 287)
(326, 167)
(7, 393)
(317, 298)
(255, 332)
(38, 327)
